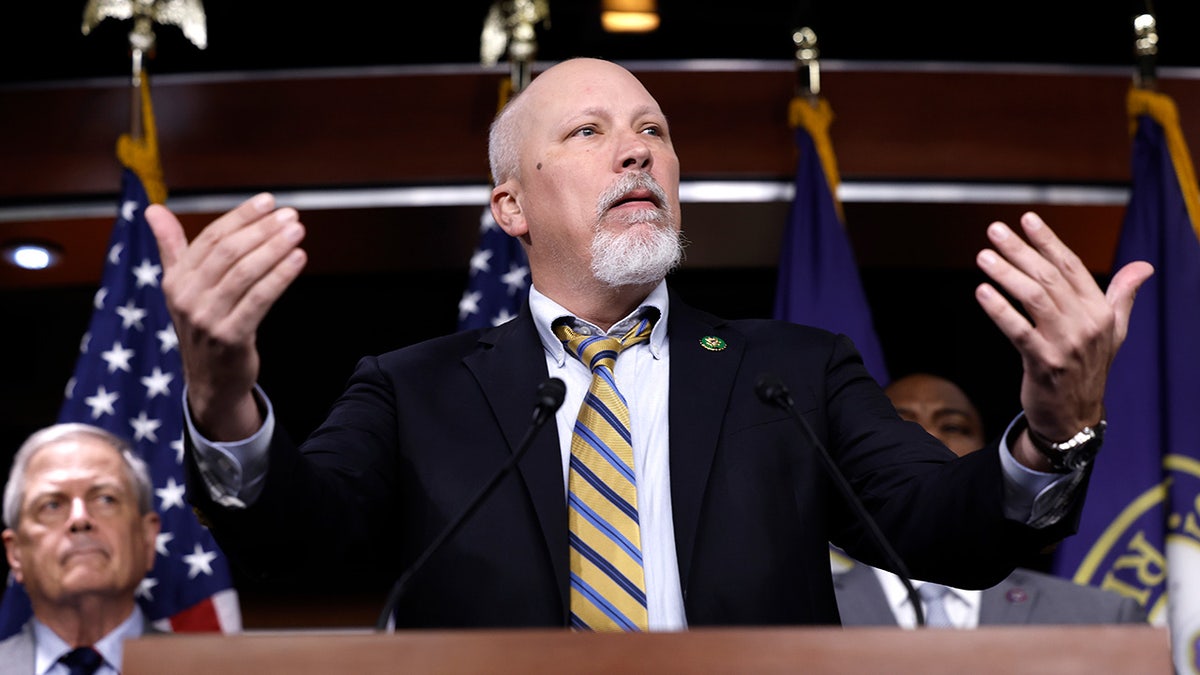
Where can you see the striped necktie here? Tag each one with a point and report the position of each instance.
(608, 587)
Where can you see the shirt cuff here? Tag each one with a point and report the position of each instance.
(234, 472)
(1036, 498)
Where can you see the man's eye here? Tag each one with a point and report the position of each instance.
(105, 501)
(50, 511)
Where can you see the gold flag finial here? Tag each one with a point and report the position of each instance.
(188, 15)
(510, 26)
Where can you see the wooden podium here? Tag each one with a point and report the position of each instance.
(1054, 650)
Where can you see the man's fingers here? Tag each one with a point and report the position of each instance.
(167, 232)
(172, 241)
(260, 297)
(231, 221)
(234, 285)
(1122, 290)
(1012, 323)
(1064, 260)
(261, 276)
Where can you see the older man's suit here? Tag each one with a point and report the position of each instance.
(1024, 597)
(18, 650)
(419, 430)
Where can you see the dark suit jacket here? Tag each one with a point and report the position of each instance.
(1025, 597)
(419, 430)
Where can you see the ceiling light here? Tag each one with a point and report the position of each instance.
(31, 255)
(629, 16)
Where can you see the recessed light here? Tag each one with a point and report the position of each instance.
(32, 255)
(629, 16)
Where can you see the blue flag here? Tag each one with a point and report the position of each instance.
(499, 278)
(128, 379)
(818, 281)
(1140, 531)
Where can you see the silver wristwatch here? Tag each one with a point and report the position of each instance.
(1074, 453)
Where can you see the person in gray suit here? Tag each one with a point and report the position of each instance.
(80, 538)
(868, 596)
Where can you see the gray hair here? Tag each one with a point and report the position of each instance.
(14, 490)
(503, 136)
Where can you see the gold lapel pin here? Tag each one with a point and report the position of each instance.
(713, 343)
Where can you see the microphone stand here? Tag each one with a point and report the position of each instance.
(771, 390)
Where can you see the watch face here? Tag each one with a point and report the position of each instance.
(1087, 444)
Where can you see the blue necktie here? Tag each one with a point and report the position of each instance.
(608, 588)
(82, 661)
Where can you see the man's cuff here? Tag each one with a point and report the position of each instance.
(1036, 498)
(234, 472)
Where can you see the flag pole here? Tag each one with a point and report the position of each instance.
(138, 150)
(1145, 49)
(808, 67)
(809, 110)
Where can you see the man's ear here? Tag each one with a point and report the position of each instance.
(10, 546)
(506, 209)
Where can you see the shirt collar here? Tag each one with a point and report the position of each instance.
(546, 312)
(49, 647)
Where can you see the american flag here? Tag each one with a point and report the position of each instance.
(499, 278)
(128, 379)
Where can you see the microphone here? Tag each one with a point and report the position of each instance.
(771, 390)
(550, 395)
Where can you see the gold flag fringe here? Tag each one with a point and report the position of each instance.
(1163, 110)
(816, 119)
(140, 155)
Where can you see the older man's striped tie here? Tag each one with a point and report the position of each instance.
(608, 588)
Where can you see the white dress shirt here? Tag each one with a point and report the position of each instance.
(962, 606)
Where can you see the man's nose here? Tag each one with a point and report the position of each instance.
(636, 155)
(80, 518)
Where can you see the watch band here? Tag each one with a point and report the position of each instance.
(1074, 453)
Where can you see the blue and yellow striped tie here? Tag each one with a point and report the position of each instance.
(608, 587)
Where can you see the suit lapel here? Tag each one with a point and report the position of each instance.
(1008, 602)
(701, 383)
(509, 367)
